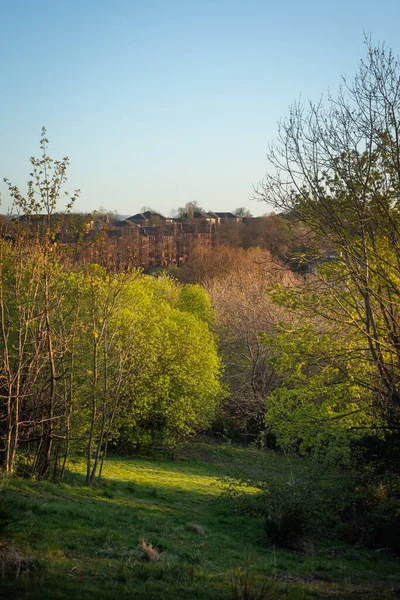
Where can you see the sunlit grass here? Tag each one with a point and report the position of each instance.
(172, 478)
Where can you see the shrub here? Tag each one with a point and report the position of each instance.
(288, 527)
(300, 501)
(372, 517)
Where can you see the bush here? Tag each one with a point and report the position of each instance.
(372, 518)
(307, 501)
(302, 500)
(379, 454)
(288, 527)
(294, 499)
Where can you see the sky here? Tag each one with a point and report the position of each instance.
(159, 103)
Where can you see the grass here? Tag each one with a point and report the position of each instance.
(161, 529)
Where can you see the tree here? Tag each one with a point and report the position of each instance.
(21, 350)
(206, 263)
(242, 310)
(194, 299)
(230, 233)
(187, 211)
(320, 405)
(86, 352)
(337, 169)
(32, 320)
(105, 349)
(174, 383)
(242, 211)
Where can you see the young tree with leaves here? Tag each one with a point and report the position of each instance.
(35, 238)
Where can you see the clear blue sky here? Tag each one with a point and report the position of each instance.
(159, 103)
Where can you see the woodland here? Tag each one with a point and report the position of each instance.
(263, 366)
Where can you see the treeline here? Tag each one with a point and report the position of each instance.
(89, 357)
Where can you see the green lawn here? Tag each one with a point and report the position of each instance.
(73, 542)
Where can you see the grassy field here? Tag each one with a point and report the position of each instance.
(68, 541)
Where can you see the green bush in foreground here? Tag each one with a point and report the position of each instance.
(304, 502)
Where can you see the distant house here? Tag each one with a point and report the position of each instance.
(146, 239)
(149, 218)
(227, 216)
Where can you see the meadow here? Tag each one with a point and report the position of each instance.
(157, 528)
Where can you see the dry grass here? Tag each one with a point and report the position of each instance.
(148, 552)
(12, 562)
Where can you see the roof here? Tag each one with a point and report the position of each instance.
(124, 223)
(199, 214)
(149, 214)
(137, 217)
(226, 215)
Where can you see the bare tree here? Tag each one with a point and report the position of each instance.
(243, 310)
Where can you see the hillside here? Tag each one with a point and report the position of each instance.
(160, 529)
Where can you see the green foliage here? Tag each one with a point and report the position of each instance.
(320, 406)
(161, 362)
(300, 500)
(336, 170)
(175, 384)
(194, 299)
(331, 403)
(133, 356)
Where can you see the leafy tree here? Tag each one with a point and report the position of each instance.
(88, 354)
(320, 406)
(175, 381)
(337, 169)
(103, 355)
(187, 211)
(194, 299)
